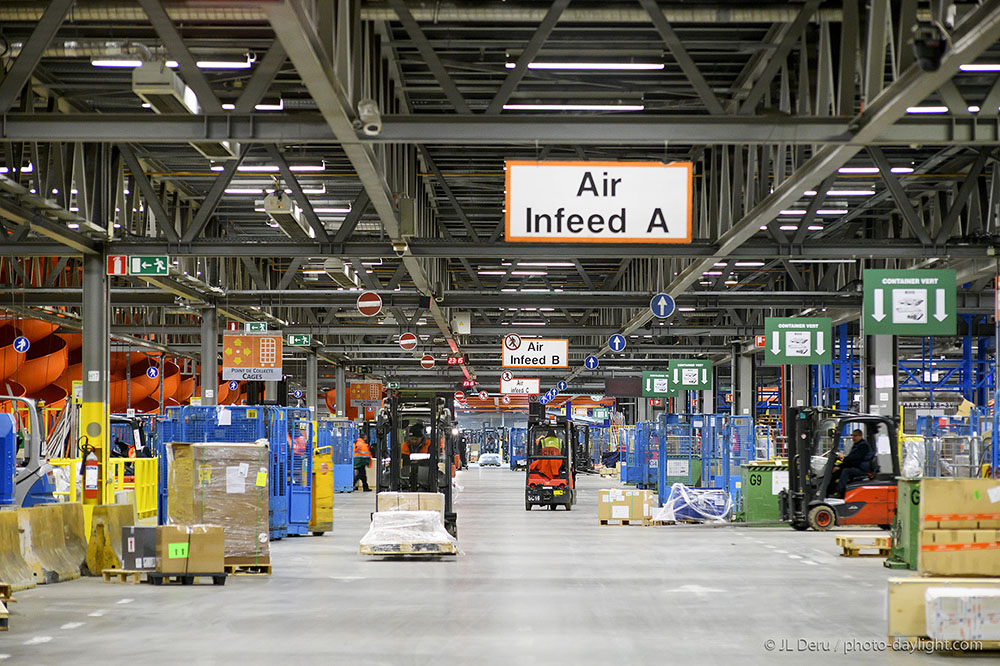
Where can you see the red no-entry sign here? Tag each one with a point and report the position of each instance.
(408, 341)
(427, 362)
(369, 304)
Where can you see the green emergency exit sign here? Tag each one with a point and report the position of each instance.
(299, 340)
(909, 302)
(149, 265)
(797, 340)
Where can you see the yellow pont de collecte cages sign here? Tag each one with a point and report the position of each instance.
(251, 357)
(598, 202)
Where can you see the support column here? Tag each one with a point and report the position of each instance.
(94, 422)
(312, 385)
(745, 386)
(708, 401)
(880, 374)
(799, 394)
(209, 355)
(341, 392)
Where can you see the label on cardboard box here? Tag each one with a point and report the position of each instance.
(149, 563)
(236, 483)
(262, 478)
(177, 551)
(205, 474)
(620, 512)
(131, 544)
(994, 494)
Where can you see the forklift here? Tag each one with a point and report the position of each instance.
(21, 455)
(814, 441)
(550, 479)
(429, 471)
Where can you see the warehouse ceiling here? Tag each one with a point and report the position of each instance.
(820, 148)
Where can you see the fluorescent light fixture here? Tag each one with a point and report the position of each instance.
(748, 264)
(973, 109)
(307, 167)
(712, 273)
(265, 168)
(792, 211)
(857, 170)
(271, 168)
(244, 190)
(335, 209)
(685, 309)
(491, 272)
(314, 271)
(927, 109)
(822, 261)
(722, 263)
(809, 193)
(541, 264)
(228, 106)
(731, 282)
(901, 170)
(977, 67)
(27, 169)
(271, 107)
(815, 227)
(850, 193)
(788, 227)
(529, 272)
(574, 107)
(116, 62)
(832, 211)
(532, 323)
(763, 228)
(147, 105)
(608, 66)
(73, 225)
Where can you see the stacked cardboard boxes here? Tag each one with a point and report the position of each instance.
(174, 549)
(411, 502)
(959, 536)
(224, 485)
(618, 504)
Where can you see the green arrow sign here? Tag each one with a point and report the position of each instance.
(392, 385)
(149, 265)
(690, 375)
(256, 327)
(656, 385)
(910, 302)
(797, 340)
(299, 340)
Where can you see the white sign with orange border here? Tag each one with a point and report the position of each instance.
(534, 353)
(598, 202)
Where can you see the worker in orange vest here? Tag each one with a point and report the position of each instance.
(362, 459)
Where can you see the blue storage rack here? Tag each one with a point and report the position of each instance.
(518, 440)
(340, 435)
(299, 438)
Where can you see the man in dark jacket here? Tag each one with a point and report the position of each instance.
(858, 463)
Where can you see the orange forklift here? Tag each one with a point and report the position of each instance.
(814, 442)
(550, 479)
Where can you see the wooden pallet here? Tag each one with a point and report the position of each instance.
(411, 548)
(882, 545)
(122, 576)
(923, 644)
(249, 569)
(157, 578)
(3, 617)
(6, 593)
(645, 522)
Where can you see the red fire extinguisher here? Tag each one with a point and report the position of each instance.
(91, 474)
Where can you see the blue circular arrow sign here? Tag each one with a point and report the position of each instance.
(662, 305)
(544, 399)
(591, 363)
(21, 344)
(616, 342)
(296, 394)
(152, 372)
(562, 385)
(233, 385)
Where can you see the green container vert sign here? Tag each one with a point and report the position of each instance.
(798, 340)
(909, 302)
(656, 385)
(690, 375)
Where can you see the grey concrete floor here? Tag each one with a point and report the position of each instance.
(540, 587)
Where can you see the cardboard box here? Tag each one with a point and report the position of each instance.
(643, 503)
(620, 504)
(388, 501)
(907, 601)
(224, 485)
(959, 504)
(139, 548)
(190, 549)
(962, 613)
(959, 552)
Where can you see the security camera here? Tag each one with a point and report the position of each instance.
(371, 119)
(400, 249)
(439, 298)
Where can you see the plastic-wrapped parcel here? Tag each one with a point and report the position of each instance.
(707, 505)
(407, 533)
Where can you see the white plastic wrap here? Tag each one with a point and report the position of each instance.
(817, 464)
(407, 532)
(708, 505)
(913, 457)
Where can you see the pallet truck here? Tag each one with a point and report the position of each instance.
(550, 479)
(815, 435)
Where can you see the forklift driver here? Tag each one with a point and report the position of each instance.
(550, 445)
(858, 463)
(416, 442)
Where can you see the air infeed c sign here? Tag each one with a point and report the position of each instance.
(598, 202)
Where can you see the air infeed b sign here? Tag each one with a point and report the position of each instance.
(598, 202)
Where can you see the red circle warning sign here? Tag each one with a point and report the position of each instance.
(408, 341)
(369, 304)
(427, 362)
(483, 395)
(459, 396)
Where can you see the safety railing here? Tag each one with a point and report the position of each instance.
(141, 475)
(67, 478)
